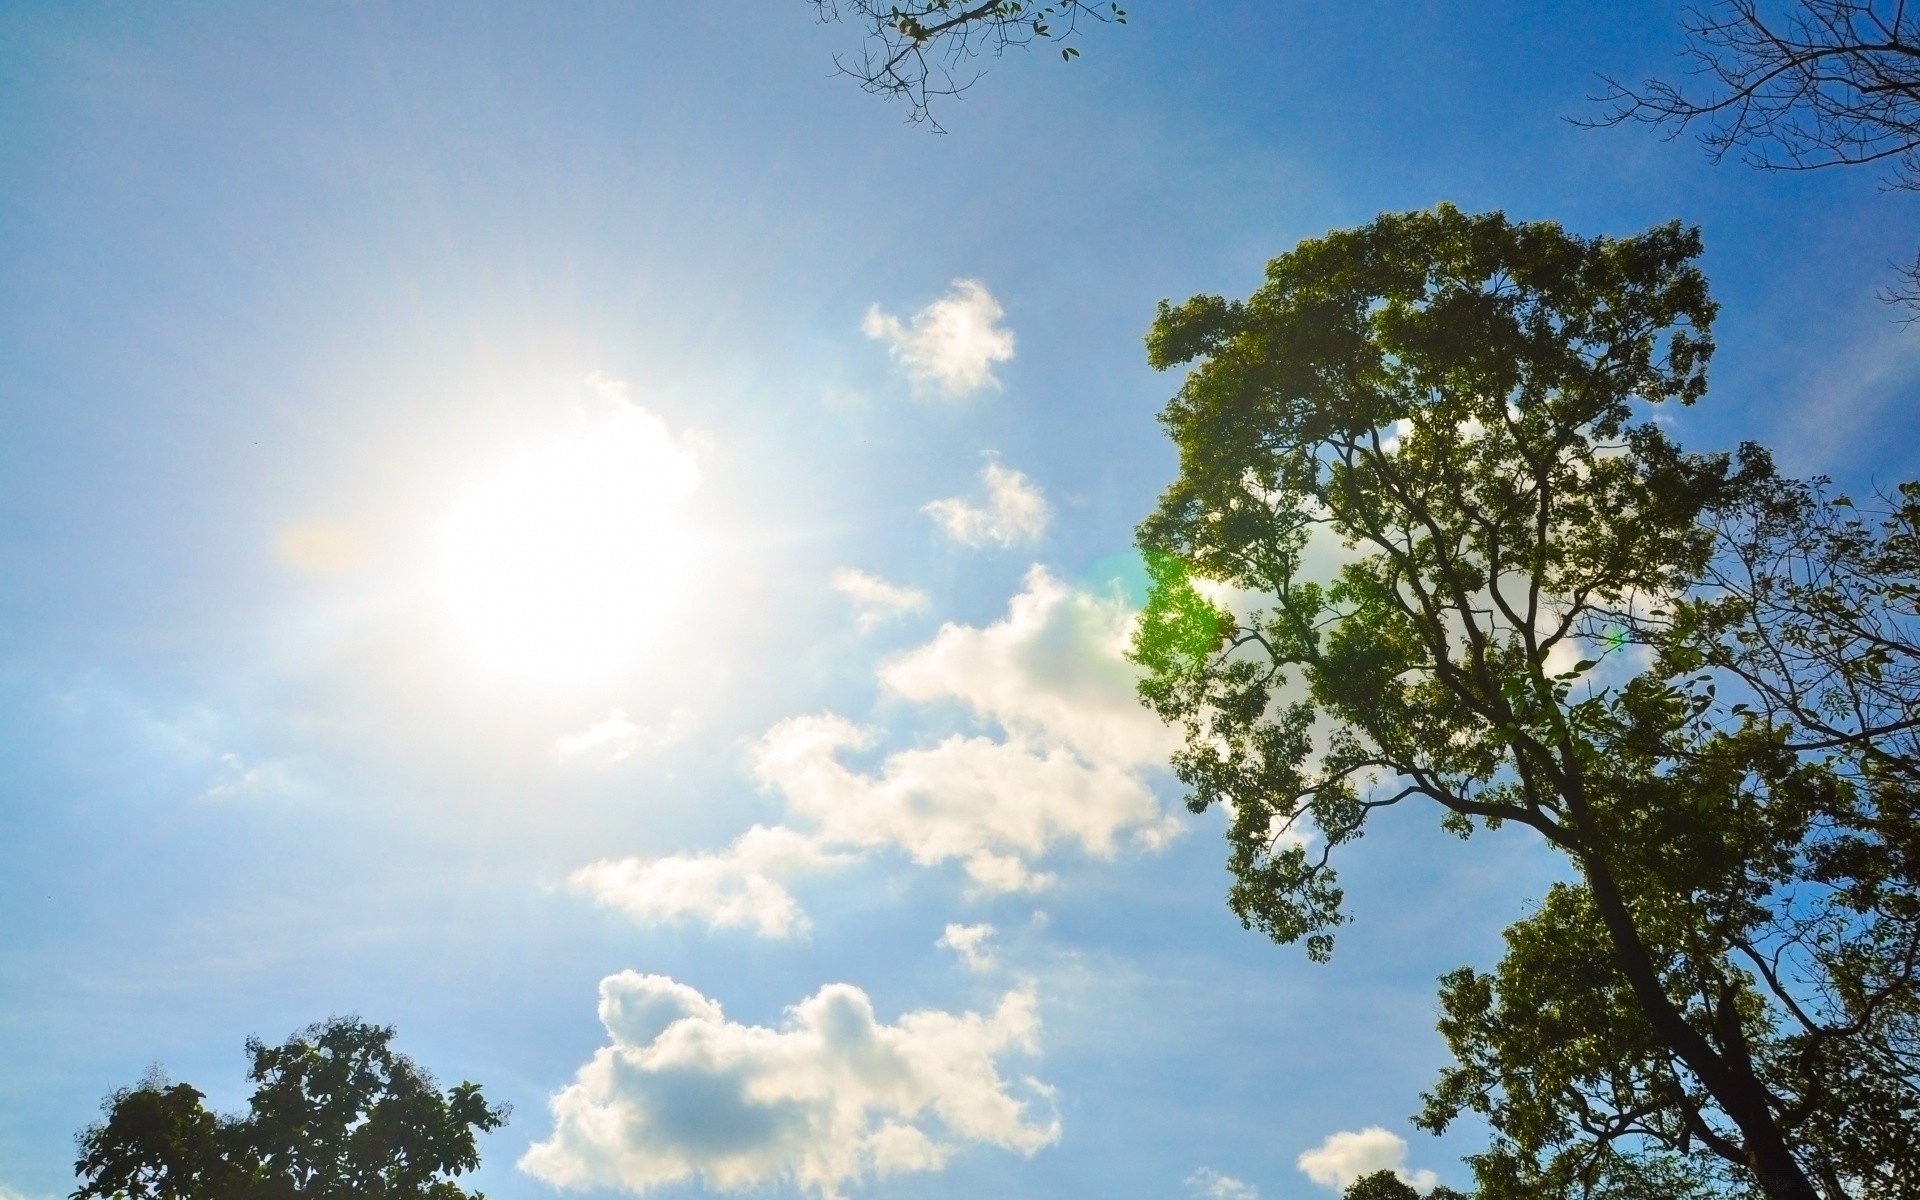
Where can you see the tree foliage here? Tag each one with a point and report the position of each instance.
(1385, 1185)
(1796, 87)
(927, 50)
(1690, 677)
(335, 1115)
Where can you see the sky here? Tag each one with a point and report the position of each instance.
(574, 532)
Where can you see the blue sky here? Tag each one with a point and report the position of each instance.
(290, 292)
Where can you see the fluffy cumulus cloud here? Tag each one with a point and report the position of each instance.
(832, 1097)
(992, 805)
(1053, 671)
(951, 345)
(874, 599)
(616, 738)
(1014, 511)
(1065, 765)
(970, 943)
(1215, 1186)
(1067, 769)
(741, 887)
(1345, 1157)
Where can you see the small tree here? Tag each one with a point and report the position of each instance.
(1385, 1185)
(335, 1115)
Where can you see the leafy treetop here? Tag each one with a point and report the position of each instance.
(335, 1115)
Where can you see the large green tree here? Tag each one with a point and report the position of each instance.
(335, 1115)
(1541, 618)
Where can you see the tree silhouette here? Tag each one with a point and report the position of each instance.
(335, 1115)
(927, 50)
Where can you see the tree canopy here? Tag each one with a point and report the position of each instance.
(1385, 1185)
(1690, 677)
(335, 1115)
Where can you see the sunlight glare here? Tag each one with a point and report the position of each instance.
(571, 558)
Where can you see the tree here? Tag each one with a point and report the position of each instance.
(335, 1115)
(1538, 602)
(1385, 1185)
(1823, 83)
(924, 50)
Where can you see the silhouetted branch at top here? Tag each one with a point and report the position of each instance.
(1799, 87)
(923, 51)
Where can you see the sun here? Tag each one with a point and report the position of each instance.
(573, 556)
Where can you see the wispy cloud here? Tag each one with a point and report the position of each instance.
(970, 943)
(741, 887)
(1212, 1184)
(616, 738)
(832, 1097)
(1345, 1157)
(951, 345)
(252, 780)
(874, 599)
(1015, 511)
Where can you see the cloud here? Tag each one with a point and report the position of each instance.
(832, 1097)
(245, 780)
(991, 805)
(950, 346)
(1345, 1157)
(741, 887)
(970, 943)
(1054, 671)
(875, 599)
(1068, 770)
(616, 738)
(1015, 511)
(1212, 1184)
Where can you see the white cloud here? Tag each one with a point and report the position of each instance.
(1345, 1157)
(1054, 671)
(951, 345)
(742, 886)
(1068, 770)
(970, 943)
(246, 780)
(617, 738)
(832, 1097)
(875, 599)
(1015, 511)
(1212, 1184)
(991, 805)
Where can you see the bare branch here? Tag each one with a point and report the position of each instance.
(926, 51)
